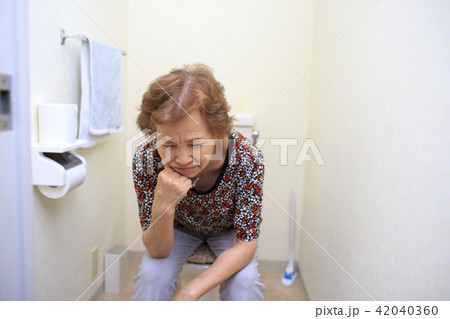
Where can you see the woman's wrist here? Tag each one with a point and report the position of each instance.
(160, 207)
(189, 292)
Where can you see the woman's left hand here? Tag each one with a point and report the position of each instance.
(184, 295)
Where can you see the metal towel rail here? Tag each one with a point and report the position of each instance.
(80, 37)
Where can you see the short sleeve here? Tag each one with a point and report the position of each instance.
(144, 178)
(249, 201)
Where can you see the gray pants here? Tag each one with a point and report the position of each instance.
(158, 277)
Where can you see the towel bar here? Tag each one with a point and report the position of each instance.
(80, 37)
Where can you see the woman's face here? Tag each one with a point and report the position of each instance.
(187, 146)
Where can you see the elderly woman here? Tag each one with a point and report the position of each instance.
(197, 180)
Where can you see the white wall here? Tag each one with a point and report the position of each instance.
(257, 50)
(380, 116)
(67, 229)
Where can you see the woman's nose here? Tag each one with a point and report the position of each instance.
(183, 156)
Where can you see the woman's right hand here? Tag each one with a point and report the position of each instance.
(171, 188)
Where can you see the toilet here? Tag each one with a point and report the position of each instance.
(196, 263)
(203, 257)
(243, 124)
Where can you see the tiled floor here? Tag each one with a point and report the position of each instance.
(270, 276)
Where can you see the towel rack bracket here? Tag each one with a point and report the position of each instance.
(62, 36)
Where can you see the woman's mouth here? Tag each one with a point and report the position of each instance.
(184, 170)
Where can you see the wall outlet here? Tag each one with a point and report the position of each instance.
(94, 262)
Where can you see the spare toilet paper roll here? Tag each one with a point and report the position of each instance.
(74, 178)
(58, 123)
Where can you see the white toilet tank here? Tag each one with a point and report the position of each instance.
(243, 123)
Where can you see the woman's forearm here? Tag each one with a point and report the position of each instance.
(226, 265)
(158, 238)
(170, 189)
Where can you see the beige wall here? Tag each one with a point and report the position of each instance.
(67, 229)
(257, 49)
(380, 116)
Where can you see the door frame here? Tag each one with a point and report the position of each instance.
(21, 283)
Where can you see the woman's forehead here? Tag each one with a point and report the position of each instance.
(185, 130)
(182, 136)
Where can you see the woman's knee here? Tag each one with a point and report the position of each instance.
(244, 278)
(244, 285)
(158, 272)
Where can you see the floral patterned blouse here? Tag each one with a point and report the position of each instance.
(233, 202)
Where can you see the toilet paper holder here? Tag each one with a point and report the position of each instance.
(53, 165)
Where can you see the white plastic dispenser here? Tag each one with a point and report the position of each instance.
(55, 170)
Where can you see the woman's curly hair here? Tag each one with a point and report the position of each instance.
(191, 88)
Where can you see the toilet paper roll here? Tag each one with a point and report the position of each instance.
(58, 123)
(74, 178)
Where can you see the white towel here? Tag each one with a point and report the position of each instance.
(101, 91)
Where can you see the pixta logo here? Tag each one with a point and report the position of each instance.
(283, 146)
